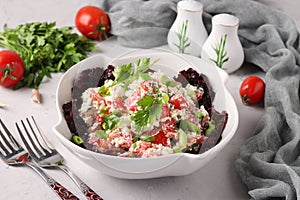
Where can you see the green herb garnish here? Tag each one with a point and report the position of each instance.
(129, 72)
(151, 109)
(45, 49)
(110, 121)
(168, 82)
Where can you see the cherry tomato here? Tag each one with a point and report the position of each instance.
(92, 22)
(11, 68)
(252, 90)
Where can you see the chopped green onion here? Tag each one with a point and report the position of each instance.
(210, 129)
(76, 139)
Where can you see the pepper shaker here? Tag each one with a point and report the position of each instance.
(223, 46)
(187, 34)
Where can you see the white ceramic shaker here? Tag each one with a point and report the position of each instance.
(223, 46)
(187, 34)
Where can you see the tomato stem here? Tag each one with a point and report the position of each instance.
(7, 71)
(245, 99)
(101, 29)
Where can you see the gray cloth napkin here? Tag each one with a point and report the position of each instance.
(269, 162)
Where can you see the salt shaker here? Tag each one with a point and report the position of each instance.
(223, 46)
(187, 34)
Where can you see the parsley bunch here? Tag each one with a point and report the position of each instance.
(45, 49)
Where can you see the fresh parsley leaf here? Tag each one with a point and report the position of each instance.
(146, 102)
(129, 72)
(145, 76)
(140, 119)
(122, 73)
(151, 109)
(155, 112)
(168, 82)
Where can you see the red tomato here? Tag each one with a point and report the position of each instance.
(11, 68)
(165, 111)
(131, 102)
(179, 103)
(252, 90)
(160, 138)
(92, 22)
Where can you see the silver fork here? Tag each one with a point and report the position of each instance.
(46, 156)
(13, 154)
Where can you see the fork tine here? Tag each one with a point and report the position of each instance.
(35, 137)
(44, 138)
(4, 149)
(10, 137)
(31, 152)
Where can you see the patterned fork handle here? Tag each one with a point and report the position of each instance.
(86, 190)
(61, 191)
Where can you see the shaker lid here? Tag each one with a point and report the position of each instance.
(225, 20)
(190, 5)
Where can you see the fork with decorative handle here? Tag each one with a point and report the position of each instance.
(46, 156)
(13, 154)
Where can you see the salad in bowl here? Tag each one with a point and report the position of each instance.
(134, 118)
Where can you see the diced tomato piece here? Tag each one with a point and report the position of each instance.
(123, 141)
(119, 104)
(145, 86)
(96, 97)
(131, 102)
(179, 103)
(100, 119)
(165, 111)
(141, 147)
(200, 139)
(160, 138)
(198, 95)
(169, 124)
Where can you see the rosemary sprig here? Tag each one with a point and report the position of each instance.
(182, 36)
(220, 51)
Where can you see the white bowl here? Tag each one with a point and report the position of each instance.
(141, 168)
